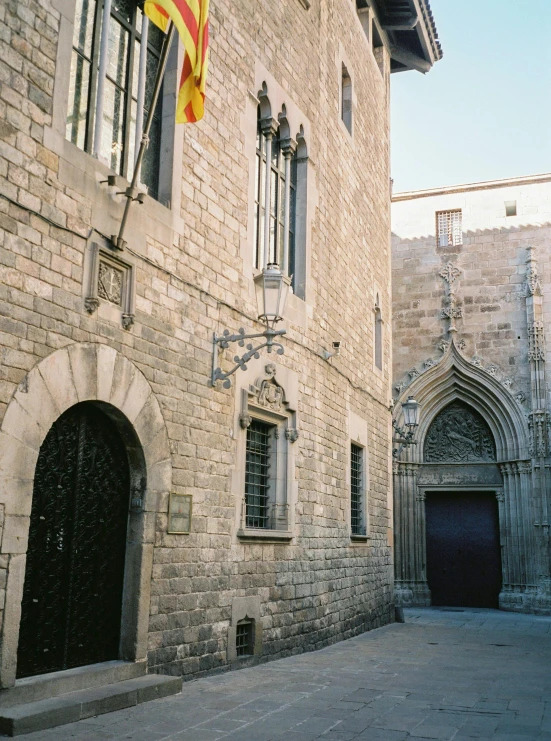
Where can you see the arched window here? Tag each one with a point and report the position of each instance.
(378, 335)
(276, 188)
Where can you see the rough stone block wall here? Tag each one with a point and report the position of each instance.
(191, 282)
(491, 284)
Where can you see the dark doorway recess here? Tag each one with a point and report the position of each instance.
(463, 551)
(72, 598)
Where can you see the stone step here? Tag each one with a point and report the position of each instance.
(73, 706)
(43, 686)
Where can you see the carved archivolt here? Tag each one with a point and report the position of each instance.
(459, 435)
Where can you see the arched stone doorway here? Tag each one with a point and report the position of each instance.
(490, 463)
(102, 378)
(72, 596)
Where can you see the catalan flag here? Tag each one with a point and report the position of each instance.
(191, 20)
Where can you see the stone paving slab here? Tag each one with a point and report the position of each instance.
(447, 675)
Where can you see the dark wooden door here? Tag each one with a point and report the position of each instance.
(463, 550)
(72, 597)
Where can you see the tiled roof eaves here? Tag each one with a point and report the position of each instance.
(430, 24)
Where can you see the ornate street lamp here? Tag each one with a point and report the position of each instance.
(406, 435)
(272, 288)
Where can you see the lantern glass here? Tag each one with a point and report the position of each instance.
(272, 288)
(410, 409)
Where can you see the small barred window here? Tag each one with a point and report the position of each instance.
(357, 516)
(244, 644)
(449, 228)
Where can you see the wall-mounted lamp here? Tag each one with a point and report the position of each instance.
(272, 288)
(406, 435)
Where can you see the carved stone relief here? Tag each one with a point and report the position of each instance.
(537, 341)
(267, 392)
(450, 311)
(459, 435)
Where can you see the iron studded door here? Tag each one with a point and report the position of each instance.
(72, 597)
(463, 551)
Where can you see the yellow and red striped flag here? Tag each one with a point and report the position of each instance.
(191, 20)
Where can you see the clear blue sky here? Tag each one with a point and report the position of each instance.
(484, 110)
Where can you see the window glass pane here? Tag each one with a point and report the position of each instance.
(118, 53)
(132, 139)
(113, 119)
(155, 38)
(78, 100)
(124, 8)
(275, 151)
(83, 31)
(150, 164)
(273, 215)
(258, 168)
(150, 75)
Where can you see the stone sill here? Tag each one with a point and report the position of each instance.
(266, 536)
(359, 538)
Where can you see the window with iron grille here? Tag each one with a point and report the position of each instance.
(126, 75)
(277, 201)
(244, 644)
(357, 516)
(257, 474)
(449, 228)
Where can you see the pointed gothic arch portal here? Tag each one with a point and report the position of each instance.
(461, 514)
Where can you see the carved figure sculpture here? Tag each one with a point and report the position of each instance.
(459, 435)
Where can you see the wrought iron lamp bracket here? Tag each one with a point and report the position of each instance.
(404, 437)
(224, 340)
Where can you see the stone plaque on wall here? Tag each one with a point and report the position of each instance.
(459, 435)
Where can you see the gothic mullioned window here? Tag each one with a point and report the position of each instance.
(279, 184)
(109, 125)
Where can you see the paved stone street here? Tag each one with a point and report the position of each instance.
(444, 674)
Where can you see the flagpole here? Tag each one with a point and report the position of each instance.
(131, 193)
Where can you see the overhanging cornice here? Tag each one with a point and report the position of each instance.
(411, 32)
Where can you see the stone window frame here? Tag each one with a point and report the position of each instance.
(245, 608)
(358, 436)
(87, 175)
(280, 101)
(279, 131)
(254, 403)
(124, 314)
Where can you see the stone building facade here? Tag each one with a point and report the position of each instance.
(107, 353)
(471, 287)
